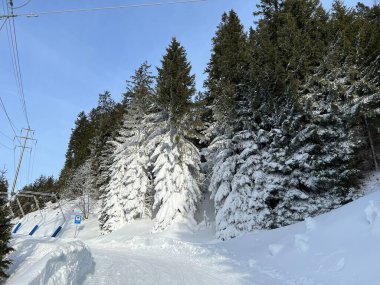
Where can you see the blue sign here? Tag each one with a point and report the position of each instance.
(78, 219)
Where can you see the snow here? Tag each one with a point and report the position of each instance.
(339, 247)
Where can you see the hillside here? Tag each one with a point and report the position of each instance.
(340, 247)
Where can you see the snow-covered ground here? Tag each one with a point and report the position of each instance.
(340, 247)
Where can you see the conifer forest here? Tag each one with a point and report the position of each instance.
(285, 128)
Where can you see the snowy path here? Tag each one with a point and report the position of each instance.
(123, 267)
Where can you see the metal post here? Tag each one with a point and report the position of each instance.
(19, 161)
(38, 206)
(19, 205)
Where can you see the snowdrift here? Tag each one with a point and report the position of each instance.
(65, 264)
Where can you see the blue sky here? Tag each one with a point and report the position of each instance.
(68, 59)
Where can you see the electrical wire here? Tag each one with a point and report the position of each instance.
(7, 147)
(9, 119)
(5, 135)
(13, 46)
(19, 71)
(36, 14)
(17, 57)
(3, 24)
(10, 43)
(22, 5)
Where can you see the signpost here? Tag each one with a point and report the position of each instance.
(77, 221)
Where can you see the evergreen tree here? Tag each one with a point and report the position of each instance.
(175, 159)
(105, 119)
(5, 229)
(227, 75)
(297, 159)
(79, 147)
(128, 195)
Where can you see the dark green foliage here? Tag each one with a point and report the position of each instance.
(78, 149)
(175, 85)
(314, 102)
(5, 229)
(140, 89)
(88, 141)
(227, 74)
(104, 119)
(286, 46)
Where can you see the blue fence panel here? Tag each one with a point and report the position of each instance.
(33, 230)
(56, 232)
(17, 228)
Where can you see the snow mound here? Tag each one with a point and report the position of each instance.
(72, 261)
(372, 211)
(275, 249)
(310, 224)
(301, 243)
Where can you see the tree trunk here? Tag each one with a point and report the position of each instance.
(371, 144)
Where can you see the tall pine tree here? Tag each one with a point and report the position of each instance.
(175, 160)
(226, 83)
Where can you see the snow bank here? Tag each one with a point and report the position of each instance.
(339, 247)
(372, 212)
(67, 264)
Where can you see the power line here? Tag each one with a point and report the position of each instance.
(9, 119)
(19, 71)
(22, 5)
(12, 42)
(7, 147)
(3, 24)
(5, 135)
(36, 14)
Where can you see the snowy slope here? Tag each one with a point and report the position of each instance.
(340, 247)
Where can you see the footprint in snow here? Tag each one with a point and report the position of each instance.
(301, 243)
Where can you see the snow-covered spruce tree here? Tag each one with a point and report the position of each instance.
(5, 229)
(227, 98)
(176, 160)
(268, 179)
(288, 164)
(128, 194)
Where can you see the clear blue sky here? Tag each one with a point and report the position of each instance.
(68, 59)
